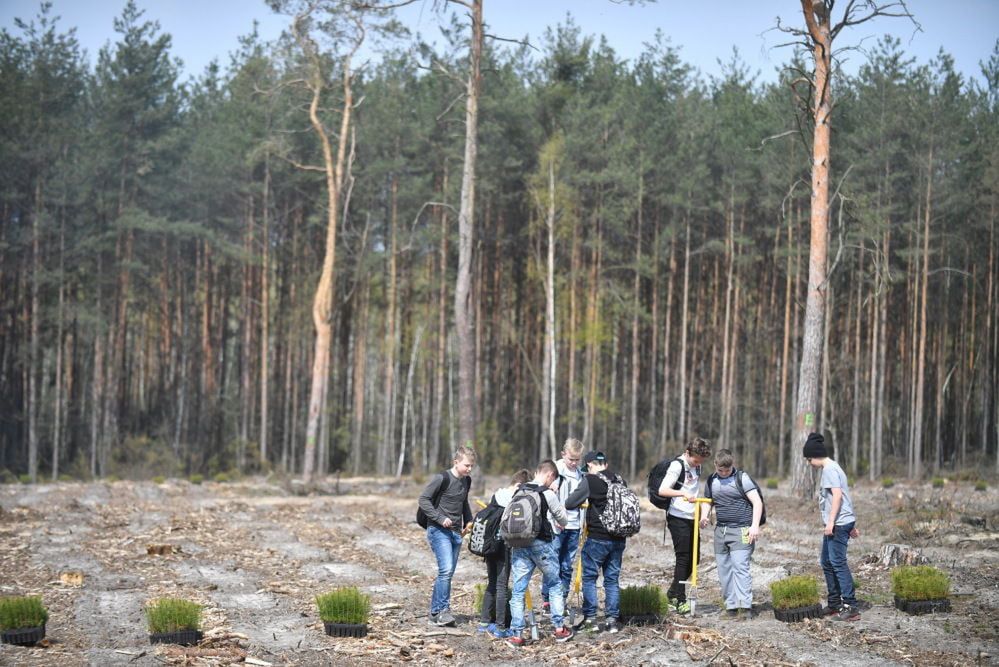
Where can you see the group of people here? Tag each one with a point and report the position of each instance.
(576, 499)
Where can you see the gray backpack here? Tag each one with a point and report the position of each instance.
(522, 518)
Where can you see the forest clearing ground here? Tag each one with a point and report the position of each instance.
(255, 554)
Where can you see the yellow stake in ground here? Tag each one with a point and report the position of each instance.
(691, 583)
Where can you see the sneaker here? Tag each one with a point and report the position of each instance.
(585, 625)
(731, 613)
(612, 626)
(516, 640)
(847, 613)
(682, 607)
(432, 619)
(445, 618)
(830, 610)
(498, 633)
(484, 627)
(546, 607)
(563, 634)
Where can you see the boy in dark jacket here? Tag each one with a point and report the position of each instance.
(447, 522)
(601, 551)
(495, 618)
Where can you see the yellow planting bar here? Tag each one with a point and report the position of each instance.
(697, 535)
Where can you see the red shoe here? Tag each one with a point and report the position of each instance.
(516, 641)
(563, 634)
(546, 607)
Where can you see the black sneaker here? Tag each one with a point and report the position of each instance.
(830, 610)
(611, 625)
(731, 613)
(847, 613)
(585, 625)
(445, 618)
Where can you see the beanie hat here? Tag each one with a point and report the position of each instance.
(815, 447)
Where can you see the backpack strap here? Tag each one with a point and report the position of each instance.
(707, 486)
(445, 482)
(678, 484)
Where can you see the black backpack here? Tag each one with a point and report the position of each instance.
(656, 477)
(742, 491)
(421, 516)
(484, 539)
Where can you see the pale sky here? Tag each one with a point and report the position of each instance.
(704, 31)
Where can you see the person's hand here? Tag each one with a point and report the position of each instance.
(704, 523)
(754, 532)
(690, 499)
(830, 527)
(854, 533)
(467, 529)
(447, 523)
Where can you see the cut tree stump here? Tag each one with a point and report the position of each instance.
(892, 555)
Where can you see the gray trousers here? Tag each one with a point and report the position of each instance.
(732, 554)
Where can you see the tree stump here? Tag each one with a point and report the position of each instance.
(892, 555)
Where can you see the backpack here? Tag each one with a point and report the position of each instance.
(656, 477)
(484, 539)
(621, 515)
(421, 516)
(521, 521)
(742, 491)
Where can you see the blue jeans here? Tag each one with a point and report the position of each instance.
(523, 560)
(839, 581)
(602, 555)
(565, 545)
(445, 544)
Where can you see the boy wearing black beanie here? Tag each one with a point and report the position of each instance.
(839, 522)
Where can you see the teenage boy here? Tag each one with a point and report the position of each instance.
(602, 552)
(495, 618)
(445, 504)
(566, 541)
(540, 554)
(738, 509)
(684, 472)
(839, 525)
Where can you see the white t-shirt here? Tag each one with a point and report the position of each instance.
(691, 481)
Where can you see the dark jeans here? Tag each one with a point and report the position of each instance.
(565, 543)
(839, 581)
(682, 532)
(496, 600)
(606, 556)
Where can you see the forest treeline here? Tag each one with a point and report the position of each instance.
(161, 241)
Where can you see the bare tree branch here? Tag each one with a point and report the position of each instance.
(512, 41)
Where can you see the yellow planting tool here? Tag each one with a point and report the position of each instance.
(529, 614)
(577, 574)
(691, 584)
(481, 504)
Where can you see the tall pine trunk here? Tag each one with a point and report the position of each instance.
(817, 19)
(463, 306)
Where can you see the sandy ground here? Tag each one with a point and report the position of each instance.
(255, 554)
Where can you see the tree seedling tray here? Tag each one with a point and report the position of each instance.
(798, 614)
(346, 629)
(181, 637)
(23, 636)
(918, 607)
